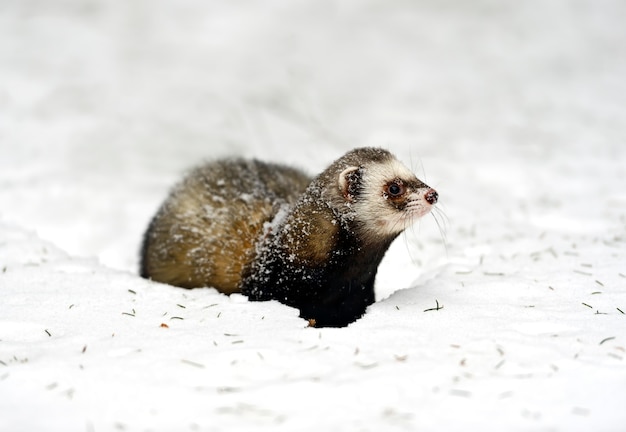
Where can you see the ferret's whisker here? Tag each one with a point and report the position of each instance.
(442, 227)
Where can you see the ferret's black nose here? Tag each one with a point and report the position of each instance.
(431, 196)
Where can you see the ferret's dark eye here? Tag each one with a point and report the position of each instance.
(395, 189)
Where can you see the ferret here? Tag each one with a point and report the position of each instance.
(271, 232)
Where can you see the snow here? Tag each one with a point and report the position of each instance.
(514, 111)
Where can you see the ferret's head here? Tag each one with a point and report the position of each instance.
(381, 195)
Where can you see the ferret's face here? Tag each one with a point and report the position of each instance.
(386, 197)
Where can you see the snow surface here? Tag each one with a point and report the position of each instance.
(514, 111)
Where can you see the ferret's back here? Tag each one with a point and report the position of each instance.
(205, 232)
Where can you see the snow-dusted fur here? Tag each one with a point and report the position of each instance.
(205, 232)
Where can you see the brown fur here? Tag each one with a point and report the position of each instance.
(205, 232)
(314, 219)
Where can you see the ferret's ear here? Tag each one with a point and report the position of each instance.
(350, 182)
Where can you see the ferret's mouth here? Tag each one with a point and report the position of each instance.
(415, 210)
(417, 205)
(420, 203)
